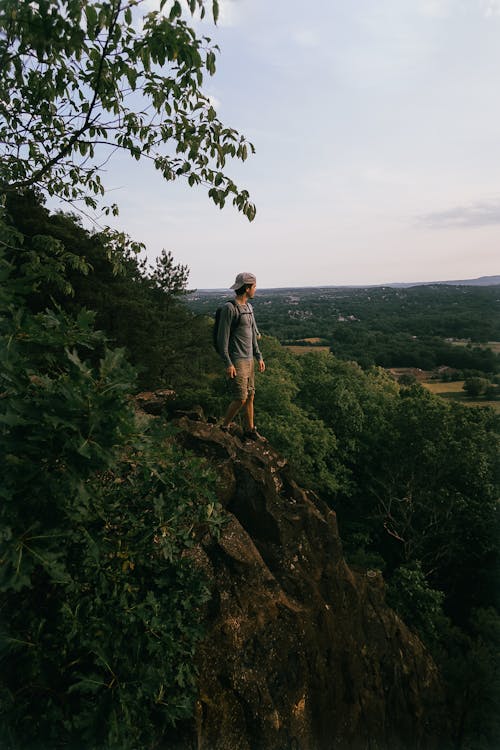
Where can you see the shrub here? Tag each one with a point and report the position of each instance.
(475, 386)
(100, 600)
(418, 605)
(407, 379)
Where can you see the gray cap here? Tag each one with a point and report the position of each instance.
(242, 279)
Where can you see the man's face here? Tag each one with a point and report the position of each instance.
(252, 290)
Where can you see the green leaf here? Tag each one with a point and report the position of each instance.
(91, 15)
(78, 95)
(176, 11)
(12, 420)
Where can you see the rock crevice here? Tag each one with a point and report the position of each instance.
(302, 652)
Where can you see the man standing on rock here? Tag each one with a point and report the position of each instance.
(237, 336)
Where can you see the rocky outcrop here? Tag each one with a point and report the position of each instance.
(154, 402)
(302, 653)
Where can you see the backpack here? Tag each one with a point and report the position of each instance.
(234, 323)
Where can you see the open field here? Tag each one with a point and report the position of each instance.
(442, 388)
(454, 391)
(493, 345)
(418, 374)
(306, 349)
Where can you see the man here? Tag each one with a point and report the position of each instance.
(237, 344)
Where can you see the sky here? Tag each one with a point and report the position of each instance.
(376, 125)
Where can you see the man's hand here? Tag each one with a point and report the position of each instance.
(231, 371)
(262, 366)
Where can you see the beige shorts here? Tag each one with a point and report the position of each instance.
(243, 385)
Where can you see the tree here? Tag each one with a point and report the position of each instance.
(407, 379)
(139, 308)
(168, 277)
(101, 603)
(81, 80)
(426, 487)
(475, 386)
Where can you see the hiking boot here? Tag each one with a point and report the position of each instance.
(253, 435)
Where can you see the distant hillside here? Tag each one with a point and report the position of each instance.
(481, 281)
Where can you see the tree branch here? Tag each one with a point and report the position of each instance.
(86, 124)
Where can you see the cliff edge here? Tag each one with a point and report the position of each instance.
(302, 652)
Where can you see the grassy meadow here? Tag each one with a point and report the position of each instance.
(306, 349)
(455, 392)
(493, 345)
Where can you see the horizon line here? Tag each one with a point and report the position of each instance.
(463, 282)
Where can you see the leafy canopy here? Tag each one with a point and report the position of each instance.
(79, 81)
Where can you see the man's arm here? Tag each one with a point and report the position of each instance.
(223, 334)
(255, 344)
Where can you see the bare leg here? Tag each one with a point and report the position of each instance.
(232, 411)
(249, 412)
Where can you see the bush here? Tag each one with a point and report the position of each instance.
(469, 661)
(407, 379)
(418, 605)
(475, 386)
(100, 600)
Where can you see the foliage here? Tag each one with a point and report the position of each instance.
(419, 605)
(81, 80)
(469, 662)
(100, 600)
(469, 659)
(427, 488)
(480, 723)
(475, 386)
(169, 278)
(138, 307)
(407, 379)
(56, 255)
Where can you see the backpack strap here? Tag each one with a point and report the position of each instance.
(254, 322)
(235, 322)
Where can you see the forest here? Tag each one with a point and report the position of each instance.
(423, 326)
(413, 480)
(101, 603)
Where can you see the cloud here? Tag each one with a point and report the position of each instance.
(486, 213)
